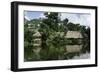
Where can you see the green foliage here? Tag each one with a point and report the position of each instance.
(53, 44)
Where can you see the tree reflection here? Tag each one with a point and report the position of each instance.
(60, 53)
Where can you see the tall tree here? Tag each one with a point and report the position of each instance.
(48, 26)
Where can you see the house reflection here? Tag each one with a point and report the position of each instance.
(76, 47)
(73, 48)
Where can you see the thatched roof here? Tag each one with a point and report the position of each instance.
(37, 34)
(73, 34)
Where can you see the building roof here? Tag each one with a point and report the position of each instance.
(37, 34)
(73, 34)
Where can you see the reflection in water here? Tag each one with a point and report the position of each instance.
(82, 56)
(73, 48)
(64, 52)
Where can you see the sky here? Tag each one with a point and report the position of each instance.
(77, 18)
(33, 15)
(81, 18)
